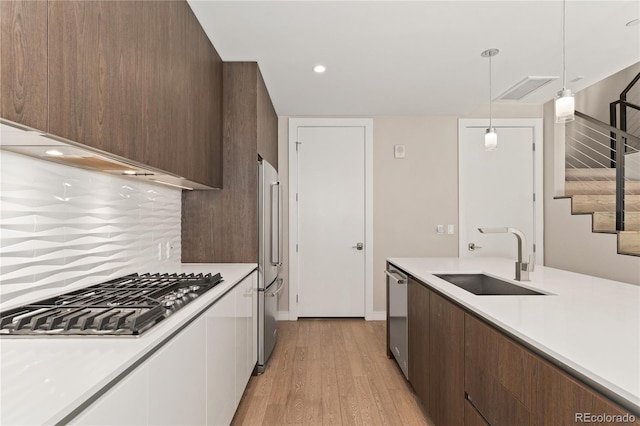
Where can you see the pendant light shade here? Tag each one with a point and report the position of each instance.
(491, 140)
(565, 103)
(565, 106)
(490, 137)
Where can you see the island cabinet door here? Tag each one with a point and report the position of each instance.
(446, 362)
(418, 324)
(497, 376)
(560, 400)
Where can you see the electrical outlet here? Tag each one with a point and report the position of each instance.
(159, 251)
(451, 229)
(440, 229)
(398, 151)
(168, 248)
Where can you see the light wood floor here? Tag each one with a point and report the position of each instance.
(330, 372)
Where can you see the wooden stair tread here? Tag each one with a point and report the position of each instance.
(599, 187)
(606, 221)
(592, 191)
(589, 174)
(593, 174)
(629, 242)
(583, 203)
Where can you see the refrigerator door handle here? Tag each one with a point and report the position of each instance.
(278, 289)
(275, 224)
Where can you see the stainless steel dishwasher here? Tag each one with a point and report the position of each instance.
(397, 318)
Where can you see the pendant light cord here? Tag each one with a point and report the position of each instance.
(490, 74)
(564, 44)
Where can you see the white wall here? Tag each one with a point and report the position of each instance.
(64, 227)
(595, 99)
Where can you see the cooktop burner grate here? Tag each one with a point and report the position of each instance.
(125, 306)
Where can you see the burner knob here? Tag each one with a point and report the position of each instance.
(183, 292)
(168, 302)
(194, 288)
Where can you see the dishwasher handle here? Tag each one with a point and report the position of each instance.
(395, 276)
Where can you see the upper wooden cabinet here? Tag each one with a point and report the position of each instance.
(211, 227)
(138, 79)
(23, 67)
(267, 124)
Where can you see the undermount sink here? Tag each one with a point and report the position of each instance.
(484, 285)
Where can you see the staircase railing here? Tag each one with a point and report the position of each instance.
(593, 144)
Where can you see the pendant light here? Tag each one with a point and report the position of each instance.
(490, 137)
(565, 102)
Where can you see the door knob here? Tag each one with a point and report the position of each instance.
(473, 246)
(358, 246)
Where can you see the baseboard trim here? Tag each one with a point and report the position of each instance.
(373, 316)
(377, 316)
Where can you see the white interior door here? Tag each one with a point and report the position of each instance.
(496, 189)
(331, 221)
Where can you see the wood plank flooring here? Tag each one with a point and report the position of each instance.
(330, 372)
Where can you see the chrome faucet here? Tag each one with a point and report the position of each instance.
(522, 268)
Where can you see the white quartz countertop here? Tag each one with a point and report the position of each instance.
(588, 325)
(43, 379)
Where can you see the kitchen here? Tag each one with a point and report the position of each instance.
(415, 236)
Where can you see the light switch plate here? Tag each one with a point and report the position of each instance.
(440, 229)
(450, 229)
(398, 151)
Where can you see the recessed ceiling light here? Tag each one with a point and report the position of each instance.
(633, 23)
(319, 69)
(53, 152)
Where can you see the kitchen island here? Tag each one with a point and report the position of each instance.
(585, 326)
(51, 380)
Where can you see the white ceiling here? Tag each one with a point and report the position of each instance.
(417, 57)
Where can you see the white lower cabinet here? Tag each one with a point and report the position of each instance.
(124, 404)
(177, 384)
(197, 378)
(221, 360)
(245, 343)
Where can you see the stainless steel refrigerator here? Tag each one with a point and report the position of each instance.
(269, 261)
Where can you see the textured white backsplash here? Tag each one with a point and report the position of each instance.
(61, 226)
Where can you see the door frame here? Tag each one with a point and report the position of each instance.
(294, 274)
(536, 125)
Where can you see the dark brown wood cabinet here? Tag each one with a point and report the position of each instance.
(137, 79)
(418, 333)
(497, 374)
(509, 384)
(446, 362)
(436, 353)
(559, 399)
(222, 226)
(466, 371)
(23, 68)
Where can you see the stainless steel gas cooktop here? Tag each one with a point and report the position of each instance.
(126, 306)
